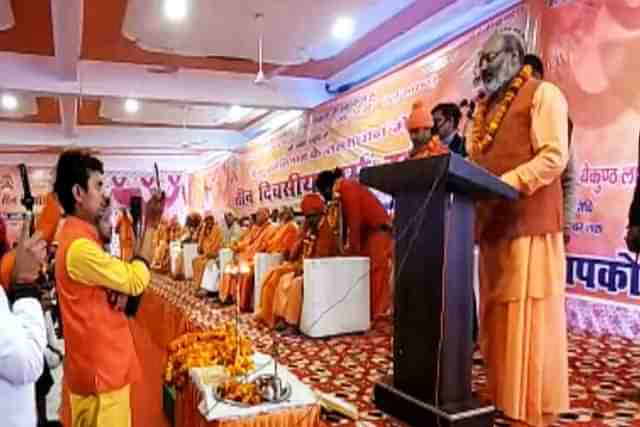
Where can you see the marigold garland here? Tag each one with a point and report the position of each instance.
(218, 346)
(483, 135)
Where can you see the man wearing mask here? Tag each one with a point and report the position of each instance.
(519, 134)
(446, 119)
(100, 362)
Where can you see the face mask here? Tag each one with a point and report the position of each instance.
(435, 129)
(421, 137)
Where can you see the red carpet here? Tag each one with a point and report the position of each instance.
(604, 371)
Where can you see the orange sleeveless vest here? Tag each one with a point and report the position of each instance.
(540, 213)
(100, 355)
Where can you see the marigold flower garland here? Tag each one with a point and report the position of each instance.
(483, 135)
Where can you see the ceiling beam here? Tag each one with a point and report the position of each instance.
(36, 74)
(35, 134)
(69, 115)
(67, 18)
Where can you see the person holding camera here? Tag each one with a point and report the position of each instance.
(22, 332)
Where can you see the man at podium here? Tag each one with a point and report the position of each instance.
(520, 134)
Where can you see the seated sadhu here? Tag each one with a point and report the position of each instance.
(161, 240)
(281, 297)
(239, 287)
(286, 232)
(424, 137)
(210, 241)
(191, 227)
(175, 230)
(126, 236)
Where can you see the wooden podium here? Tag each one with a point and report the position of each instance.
(433, 324)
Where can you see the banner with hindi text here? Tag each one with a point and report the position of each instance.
(362, 128)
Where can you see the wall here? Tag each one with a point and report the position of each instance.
(120, 186)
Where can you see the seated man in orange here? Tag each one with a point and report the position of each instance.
(285, 235)
(209, 243)
(191, 227)
(281, 296)
(241, 285)
(162, 239)
(368, 230)
(124, 227)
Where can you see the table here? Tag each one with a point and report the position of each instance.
(157, 323)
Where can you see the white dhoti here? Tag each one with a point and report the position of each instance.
(211, 276)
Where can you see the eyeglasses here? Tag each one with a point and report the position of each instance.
(489, 57)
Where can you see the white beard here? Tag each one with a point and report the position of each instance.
(505, 75)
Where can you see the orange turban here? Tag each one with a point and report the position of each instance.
(420, 117)
(312, 203)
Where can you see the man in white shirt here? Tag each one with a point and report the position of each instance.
(22, 337)
(231, 229)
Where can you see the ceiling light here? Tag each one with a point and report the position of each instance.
(9, 102)
(237, 113)
(131, 106)
(175, 10)
(343, 28)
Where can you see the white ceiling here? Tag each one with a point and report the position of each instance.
(223, 28)
(175, 114)
(6, 15)
(294, 30)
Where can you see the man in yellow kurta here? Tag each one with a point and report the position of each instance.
(241, 285)
(520, 135)
(209, 243)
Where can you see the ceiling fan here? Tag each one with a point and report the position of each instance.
(262, 78)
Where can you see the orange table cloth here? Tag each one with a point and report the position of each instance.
(156, 324)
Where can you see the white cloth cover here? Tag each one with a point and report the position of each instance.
(190, 252)
(262, 264)
(336, 296)
(301, 394)
(225, 256)
(211, 276)
(175, 250)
